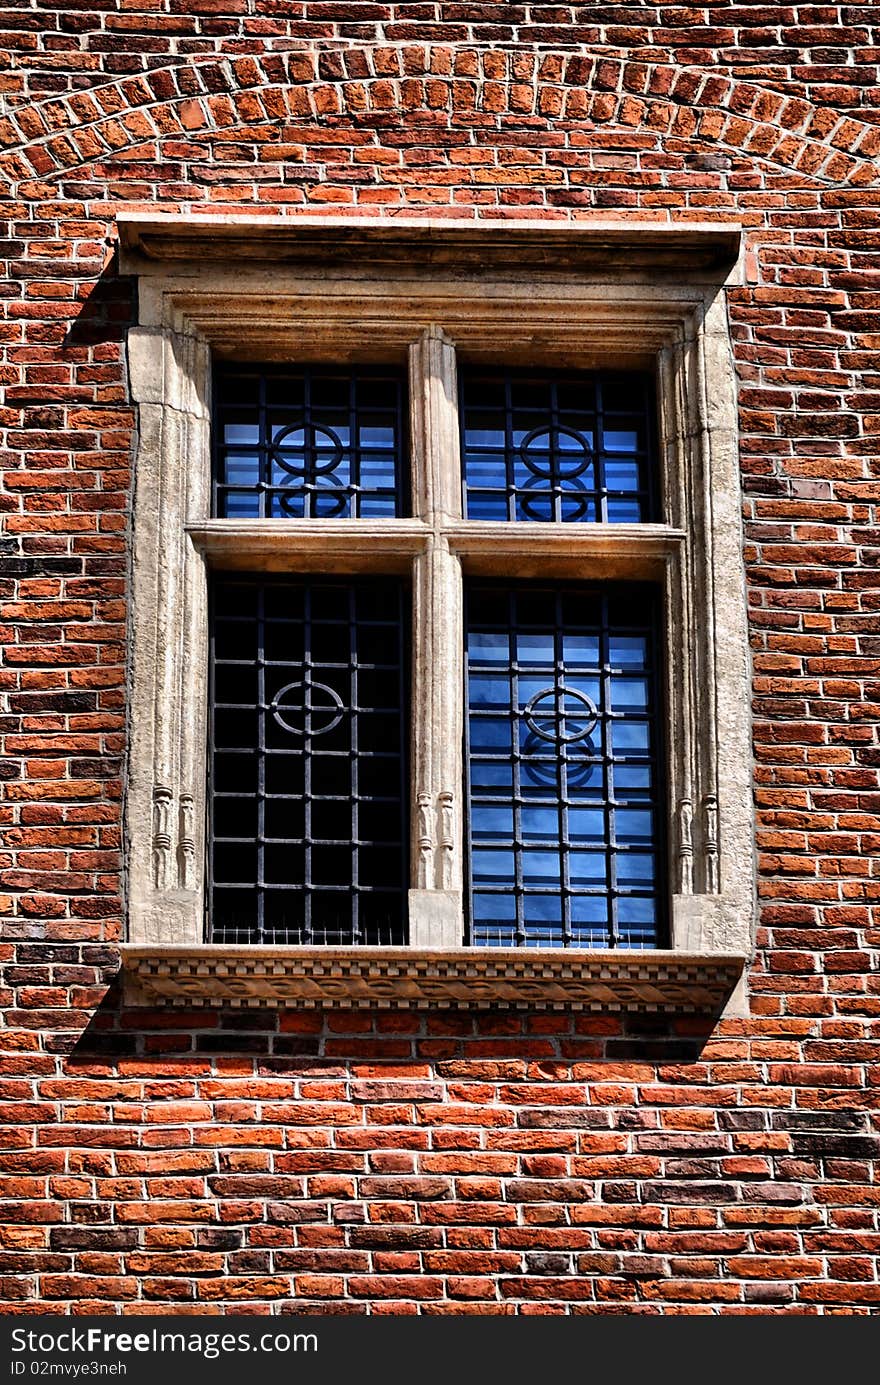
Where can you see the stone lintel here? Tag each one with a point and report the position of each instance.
(621, 244)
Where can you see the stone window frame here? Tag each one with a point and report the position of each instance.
(337, 290)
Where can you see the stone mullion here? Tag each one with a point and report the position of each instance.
(195, 642)
(436, 894)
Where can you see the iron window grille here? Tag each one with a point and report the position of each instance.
(561, 447)
(309, 443)
(565, 784)
(307, 767)
(308, 774)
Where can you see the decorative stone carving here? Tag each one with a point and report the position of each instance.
(447, 840)
(163, 800)
(187, 849)
(426, 842)
(685, 847)
(410, 978)
(710, 842)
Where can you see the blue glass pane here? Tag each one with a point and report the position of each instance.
(543, 909)
(492, 867)
(632, 778)
(488, 648)
(488, 691)
(490, 734)
(309, 443)
(620, 510)
(242, 504)
(637, 916)
(377, 506)
(535, 649)
(627, 651)
(538, 823)
(488, 505)
(563, 776)
(541, 867)
(490, 774)
(629, 694)
(242, 468)
(587, 824)
(620, 475)
(587, 867)
(492, 824)
(500, 907)
(635, 868)
(580, 651)
(629, 736)
(557, 448)
(241, 431)
(633, 824)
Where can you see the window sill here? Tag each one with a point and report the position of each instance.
(411, 978)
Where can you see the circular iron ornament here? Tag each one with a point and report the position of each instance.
(557, 716)
(330, 497)
(309, 465)
(542, 769)
(334, 709)
(315, 475)
(562, 471)
(555, 459)
(575, 499)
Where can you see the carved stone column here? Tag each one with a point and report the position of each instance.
(435, 900)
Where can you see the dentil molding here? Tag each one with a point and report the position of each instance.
(420, 978)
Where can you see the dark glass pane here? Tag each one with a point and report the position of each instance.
(558, 447)
(307, 790)
(564, 777)
(309, 443)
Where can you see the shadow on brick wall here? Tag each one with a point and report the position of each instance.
(283, 1039)
(107, 311)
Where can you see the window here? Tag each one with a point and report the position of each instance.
(564, 783)
(557, 569)
(306, 443)
(572, 448)
(307, 770)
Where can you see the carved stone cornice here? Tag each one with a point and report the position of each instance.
(420, 979)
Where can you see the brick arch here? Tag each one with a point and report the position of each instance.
(444, 86)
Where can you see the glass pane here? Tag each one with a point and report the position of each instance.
(309, 443)
(558, 448)
(563, 769)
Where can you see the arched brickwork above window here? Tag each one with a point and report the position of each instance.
(374, 88)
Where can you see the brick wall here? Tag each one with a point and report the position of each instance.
(526, 1163)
